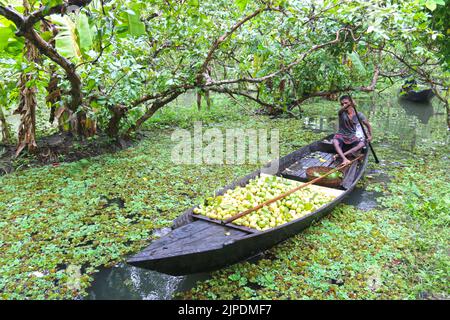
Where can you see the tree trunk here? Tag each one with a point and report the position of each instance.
(27, 108)
(79, 124)
(199, 101)
(6, 134)
(119, 112)
(448, 115)
(208, 100)
(53, 93)
(156, 105)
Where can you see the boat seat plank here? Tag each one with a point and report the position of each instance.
(298, 169)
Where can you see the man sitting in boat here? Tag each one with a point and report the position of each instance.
(350, 136)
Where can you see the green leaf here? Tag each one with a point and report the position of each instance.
(242, 4)
(135, 26)
(52, 3)
(357, 62)
(431, 5)
(66, 40)
(47, 35)
(5, 33)
(193, 3)
(84, 32)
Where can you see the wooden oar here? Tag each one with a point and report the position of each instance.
(239, 215)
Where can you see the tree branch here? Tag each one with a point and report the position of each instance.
(50, 52)
(222, 38)
(25, 29)
(369, 88)
(145, 98)
(156, 105)
(12, 15)
(255, 99)
(285, 68)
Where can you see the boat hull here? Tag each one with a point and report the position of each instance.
(207, 260)
(196, 246)
(417, 96)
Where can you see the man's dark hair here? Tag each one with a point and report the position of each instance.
(345, 97)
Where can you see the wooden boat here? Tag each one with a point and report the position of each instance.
(199, 244)
(417, 96)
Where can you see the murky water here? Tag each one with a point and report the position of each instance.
(125, 282)
(412, 123)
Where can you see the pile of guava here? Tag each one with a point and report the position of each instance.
(259, 190)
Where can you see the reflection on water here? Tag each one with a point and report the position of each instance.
(320, 124)
(367, 200)
(126, 282)
(410, 124)
(423, 111)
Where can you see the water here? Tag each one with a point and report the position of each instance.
(320, 124)
(412, 123)
(126, 282)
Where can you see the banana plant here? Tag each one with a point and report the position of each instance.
(75, 35)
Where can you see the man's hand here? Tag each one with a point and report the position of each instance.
(345, 161)
(369, 138)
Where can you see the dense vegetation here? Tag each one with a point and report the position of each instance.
(114, 70)
(84, 215)
(110, 65)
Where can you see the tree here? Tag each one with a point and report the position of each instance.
(114, 64)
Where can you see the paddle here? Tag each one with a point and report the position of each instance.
(239, 215)
(364, 131)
